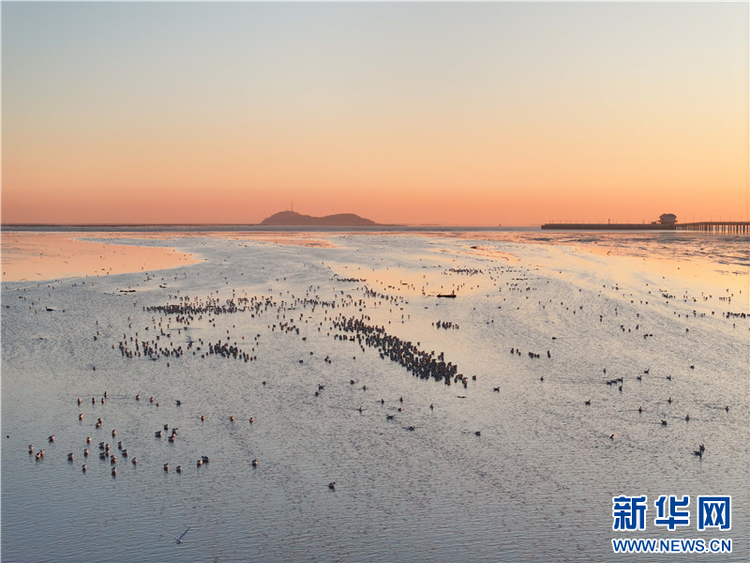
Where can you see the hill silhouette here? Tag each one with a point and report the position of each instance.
(294, 219)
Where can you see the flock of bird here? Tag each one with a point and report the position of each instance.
(108, 453)
(166, 336)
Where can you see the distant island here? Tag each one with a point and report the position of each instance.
(294, 219)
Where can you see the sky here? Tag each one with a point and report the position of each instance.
(408, 113)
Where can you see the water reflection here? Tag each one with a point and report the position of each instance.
(535, 485)
(41, 256)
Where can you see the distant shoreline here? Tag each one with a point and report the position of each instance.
(207, 227)
(394, 228)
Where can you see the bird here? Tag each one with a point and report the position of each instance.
(255, 463)
(179, 540)
(332, 485)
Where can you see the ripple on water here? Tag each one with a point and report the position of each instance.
(542, 472)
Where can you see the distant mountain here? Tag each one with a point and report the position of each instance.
(293, 219)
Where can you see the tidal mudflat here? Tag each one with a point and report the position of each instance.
(496, 425)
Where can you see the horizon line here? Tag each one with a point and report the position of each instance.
(163, 224)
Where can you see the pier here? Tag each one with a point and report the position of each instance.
(720, 227)
(609, 226)
(717, 227)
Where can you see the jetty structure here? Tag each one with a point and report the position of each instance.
(666, 222)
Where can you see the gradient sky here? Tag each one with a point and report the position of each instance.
(439, 113)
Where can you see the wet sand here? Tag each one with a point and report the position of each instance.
(557, 380)
(44, 256)
(310, 240)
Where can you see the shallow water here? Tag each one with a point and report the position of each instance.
(536, 485)
(39, 255)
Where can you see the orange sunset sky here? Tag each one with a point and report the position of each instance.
(418, 113)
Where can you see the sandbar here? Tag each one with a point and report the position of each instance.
(32, 256)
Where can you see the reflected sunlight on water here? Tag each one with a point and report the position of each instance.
(42, 256)
(526, 472)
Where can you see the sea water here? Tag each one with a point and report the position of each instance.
(645, 327)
